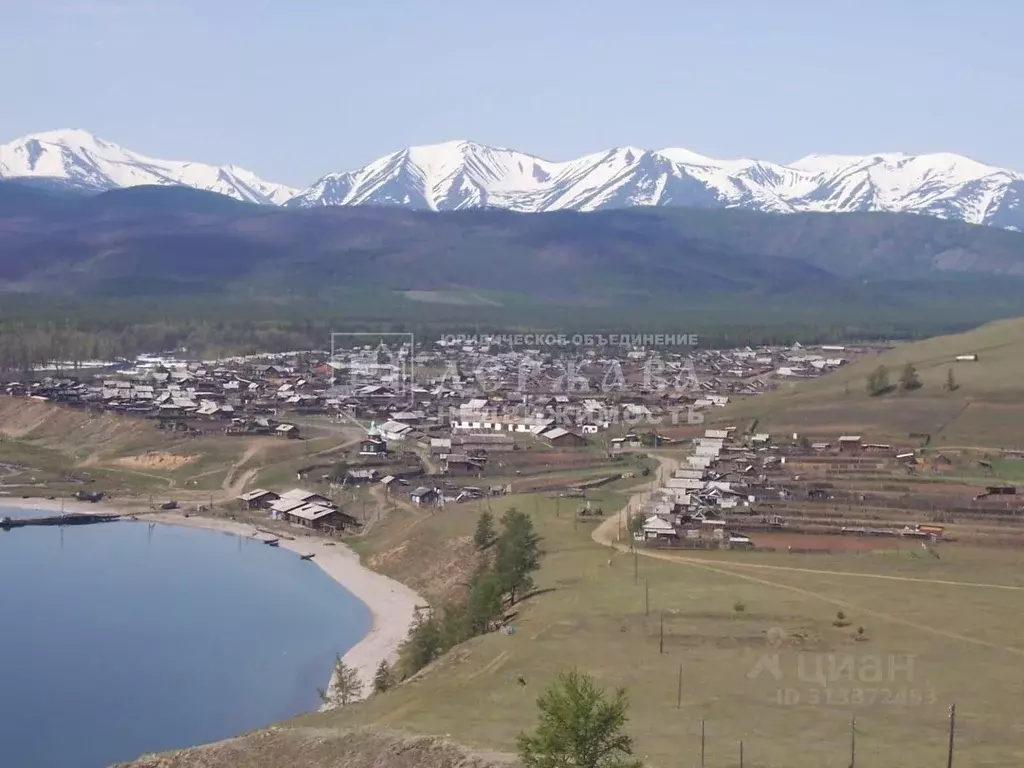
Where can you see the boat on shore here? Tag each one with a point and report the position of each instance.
(275, 534)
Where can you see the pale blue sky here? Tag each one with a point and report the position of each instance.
(294, 89)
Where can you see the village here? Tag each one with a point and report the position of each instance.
(464, 421)
(414, 394)
(755, 491)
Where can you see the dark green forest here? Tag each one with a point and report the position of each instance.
(40, 331)
(154, 269)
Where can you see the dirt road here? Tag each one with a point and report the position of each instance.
(607, 534)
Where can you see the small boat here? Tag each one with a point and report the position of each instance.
(310, 556)
(271, 542)
(274, 534)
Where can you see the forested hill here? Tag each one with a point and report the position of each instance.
(152, 268)
(165, 241)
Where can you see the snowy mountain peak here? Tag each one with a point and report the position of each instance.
(686, 157)
(447, 176)
(460, 174)
(448, 147)
(76, 158)
(465, 174)
(629, 154)
(829, 163)
(69, 136)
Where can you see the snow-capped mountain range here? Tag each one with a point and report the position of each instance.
(463, 174)
(79, 159)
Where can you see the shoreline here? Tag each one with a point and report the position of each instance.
(392, 605)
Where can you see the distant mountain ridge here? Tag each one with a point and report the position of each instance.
(160, 240)
(463, 174)
(459, 175)
(78, 159)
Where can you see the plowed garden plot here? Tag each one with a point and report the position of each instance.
(783, 541)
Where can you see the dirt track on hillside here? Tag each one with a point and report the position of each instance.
(607, 534)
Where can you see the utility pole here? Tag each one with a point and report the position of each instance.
(741, 754)
(661, 639)
(952, 735)
(853, 742)
(679, 689)
(647, 597)
(636, 567)
(702, 742)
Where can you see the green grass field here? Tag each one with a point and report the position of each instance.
(963, 643)
(983, 411)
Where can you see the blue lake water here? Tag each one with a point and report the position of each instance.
(118, 639)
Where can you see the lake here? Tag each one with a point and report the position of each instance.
(121, 638)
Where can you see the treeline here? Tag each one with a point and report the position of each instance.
(24, 346)
(503, 576)
(37, 333)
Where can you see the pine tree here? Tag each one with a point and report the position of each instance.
(485, 601)
(383, 680)
(484, 535)
(518, 554)
(908, 379)
(878, 381)
(579, 727)
(423, 645)
(345, 686)
(454, 626)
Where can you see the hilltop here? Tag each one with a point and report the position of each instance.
(983, 410)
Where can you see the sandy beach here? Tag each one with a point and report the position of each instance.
(392, 604)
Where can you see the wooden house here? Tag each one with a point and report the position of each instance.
(423, 495)
(563, 438)
(258, 499)
(850, 444)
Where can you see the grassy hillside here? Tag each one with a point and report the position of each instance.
(50, 449)
(603, 613)
(985, 409)
(319, 748)
(935, 632)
